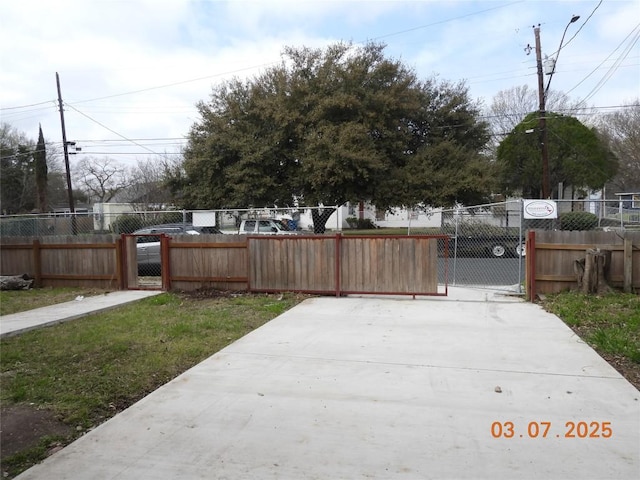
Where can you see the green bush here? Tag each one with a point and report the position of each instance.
(127, 224)
(578, 221)
(361, 223)
(170, 217)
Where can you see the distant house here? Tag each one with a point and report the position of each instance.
(143, 197)
(400, 218)
(104, 214)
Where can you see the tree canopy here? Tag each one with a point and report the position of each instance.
(31, 175)
(577, 157)
(41, 171)
(331, 126)
(17, 177)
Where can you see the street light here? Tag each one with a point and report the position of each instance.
(574, 19)
(542, 93)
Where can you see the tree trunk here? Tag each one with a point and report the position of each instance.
(320, 217)
(592, 272)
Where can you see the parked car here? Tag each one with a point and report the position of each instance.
(148, 243)
(266, 226)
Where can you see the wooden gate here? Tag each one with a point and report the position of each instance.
(341, 265)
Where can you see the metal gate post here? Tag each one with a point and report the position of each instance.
(520, 246)
(338, 262)
(455, 245)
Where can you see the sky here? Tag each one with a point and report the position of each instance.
(132, 71)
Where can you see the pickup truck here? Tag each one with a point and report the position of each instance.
(264, 227)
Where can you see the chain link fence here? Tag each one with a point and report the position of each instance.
(315, 220)
(486, 242)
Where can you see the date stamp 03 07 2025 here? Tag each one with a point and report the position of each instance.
(545, 430)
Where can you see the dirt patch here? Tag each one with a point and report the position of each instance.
(23, 426)
(626, 368)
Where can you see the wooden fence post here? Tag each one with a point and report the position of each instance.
(120, 278)
(165, 259)
(530, 248)
(627, 265)
(37, 264)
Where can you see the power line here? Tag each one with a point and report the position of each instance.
(612, 69)
(578, 31)
(27, 106)
(440, 22)
(174, 83)
(113, 131)
(182, 82)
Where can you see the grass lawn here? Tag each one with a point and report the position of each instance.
(610, 324)
(84, 372)
(13, 301)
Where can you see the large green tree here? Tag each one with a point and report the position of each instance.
(21, 167)
(577, 157)
(329, 126)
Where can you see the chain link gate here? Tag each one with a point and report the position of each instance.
(487, 245)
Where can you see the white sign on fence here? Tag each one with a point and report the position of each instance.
(540, 209)
(204, 218)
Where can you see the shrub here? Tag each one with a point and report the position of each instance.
(127, 224)
(170, 217)
(578, 221)
(361, 223)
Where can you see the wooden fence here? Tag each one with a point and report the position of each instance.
(551, 256)
(383, 265)
(68, 261)
(336, 264)
(205, 261)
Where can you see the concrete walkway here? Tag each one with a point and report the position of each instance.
(382, 388)
(62, 312)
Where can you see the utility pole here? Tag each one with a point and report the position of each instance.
(65, 148)
(542, 119)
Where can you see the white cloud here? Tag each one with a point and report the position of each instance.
(112, 48)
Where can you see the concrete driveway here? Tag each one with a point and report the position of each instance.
(347, 388)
